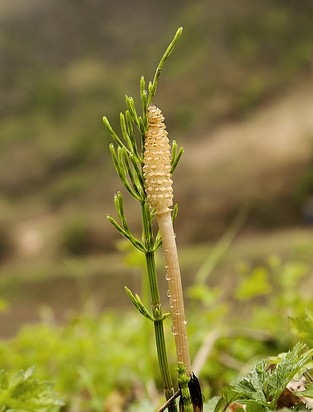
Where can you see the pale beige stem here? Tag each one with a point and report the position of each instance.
(175, 289)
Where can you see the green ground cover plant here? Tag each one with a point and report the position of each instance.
(226, 342)
(21, 392)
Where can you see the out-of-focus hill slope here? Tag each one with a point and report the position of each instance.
(263, 163)
(65, 64)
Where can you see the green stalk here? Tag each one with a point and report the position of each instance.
(157, 308)
(163, 364)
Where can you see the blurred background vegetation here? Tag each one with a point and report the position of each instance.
(237, 94)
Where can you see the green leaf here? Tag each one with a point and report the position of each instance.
(292, 363)
(21, 391)
(230, 394)
(212, 404)
(204, 294)
(303, 327)
(307, 393)
(264, 384)
(254, 285)
(293, 272)
(254, 407)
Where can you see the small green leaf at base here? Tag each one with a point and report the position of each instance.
(263, 386)
(21, 391)
(212, 404)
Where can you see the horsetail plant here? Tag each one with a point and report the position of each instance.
(145, 167)
(158, 185)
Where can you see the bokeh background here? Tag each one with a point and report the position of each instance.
(236, 93)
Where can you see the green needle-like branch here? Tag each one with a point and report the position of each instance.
(138, 245)
(154, 84)
(132, 110)
(118, 201)
(125, 133)
(139, 304)
(176, 155)
(112, 132)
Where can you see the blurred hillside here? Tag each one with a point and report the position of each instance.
(66, 64)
